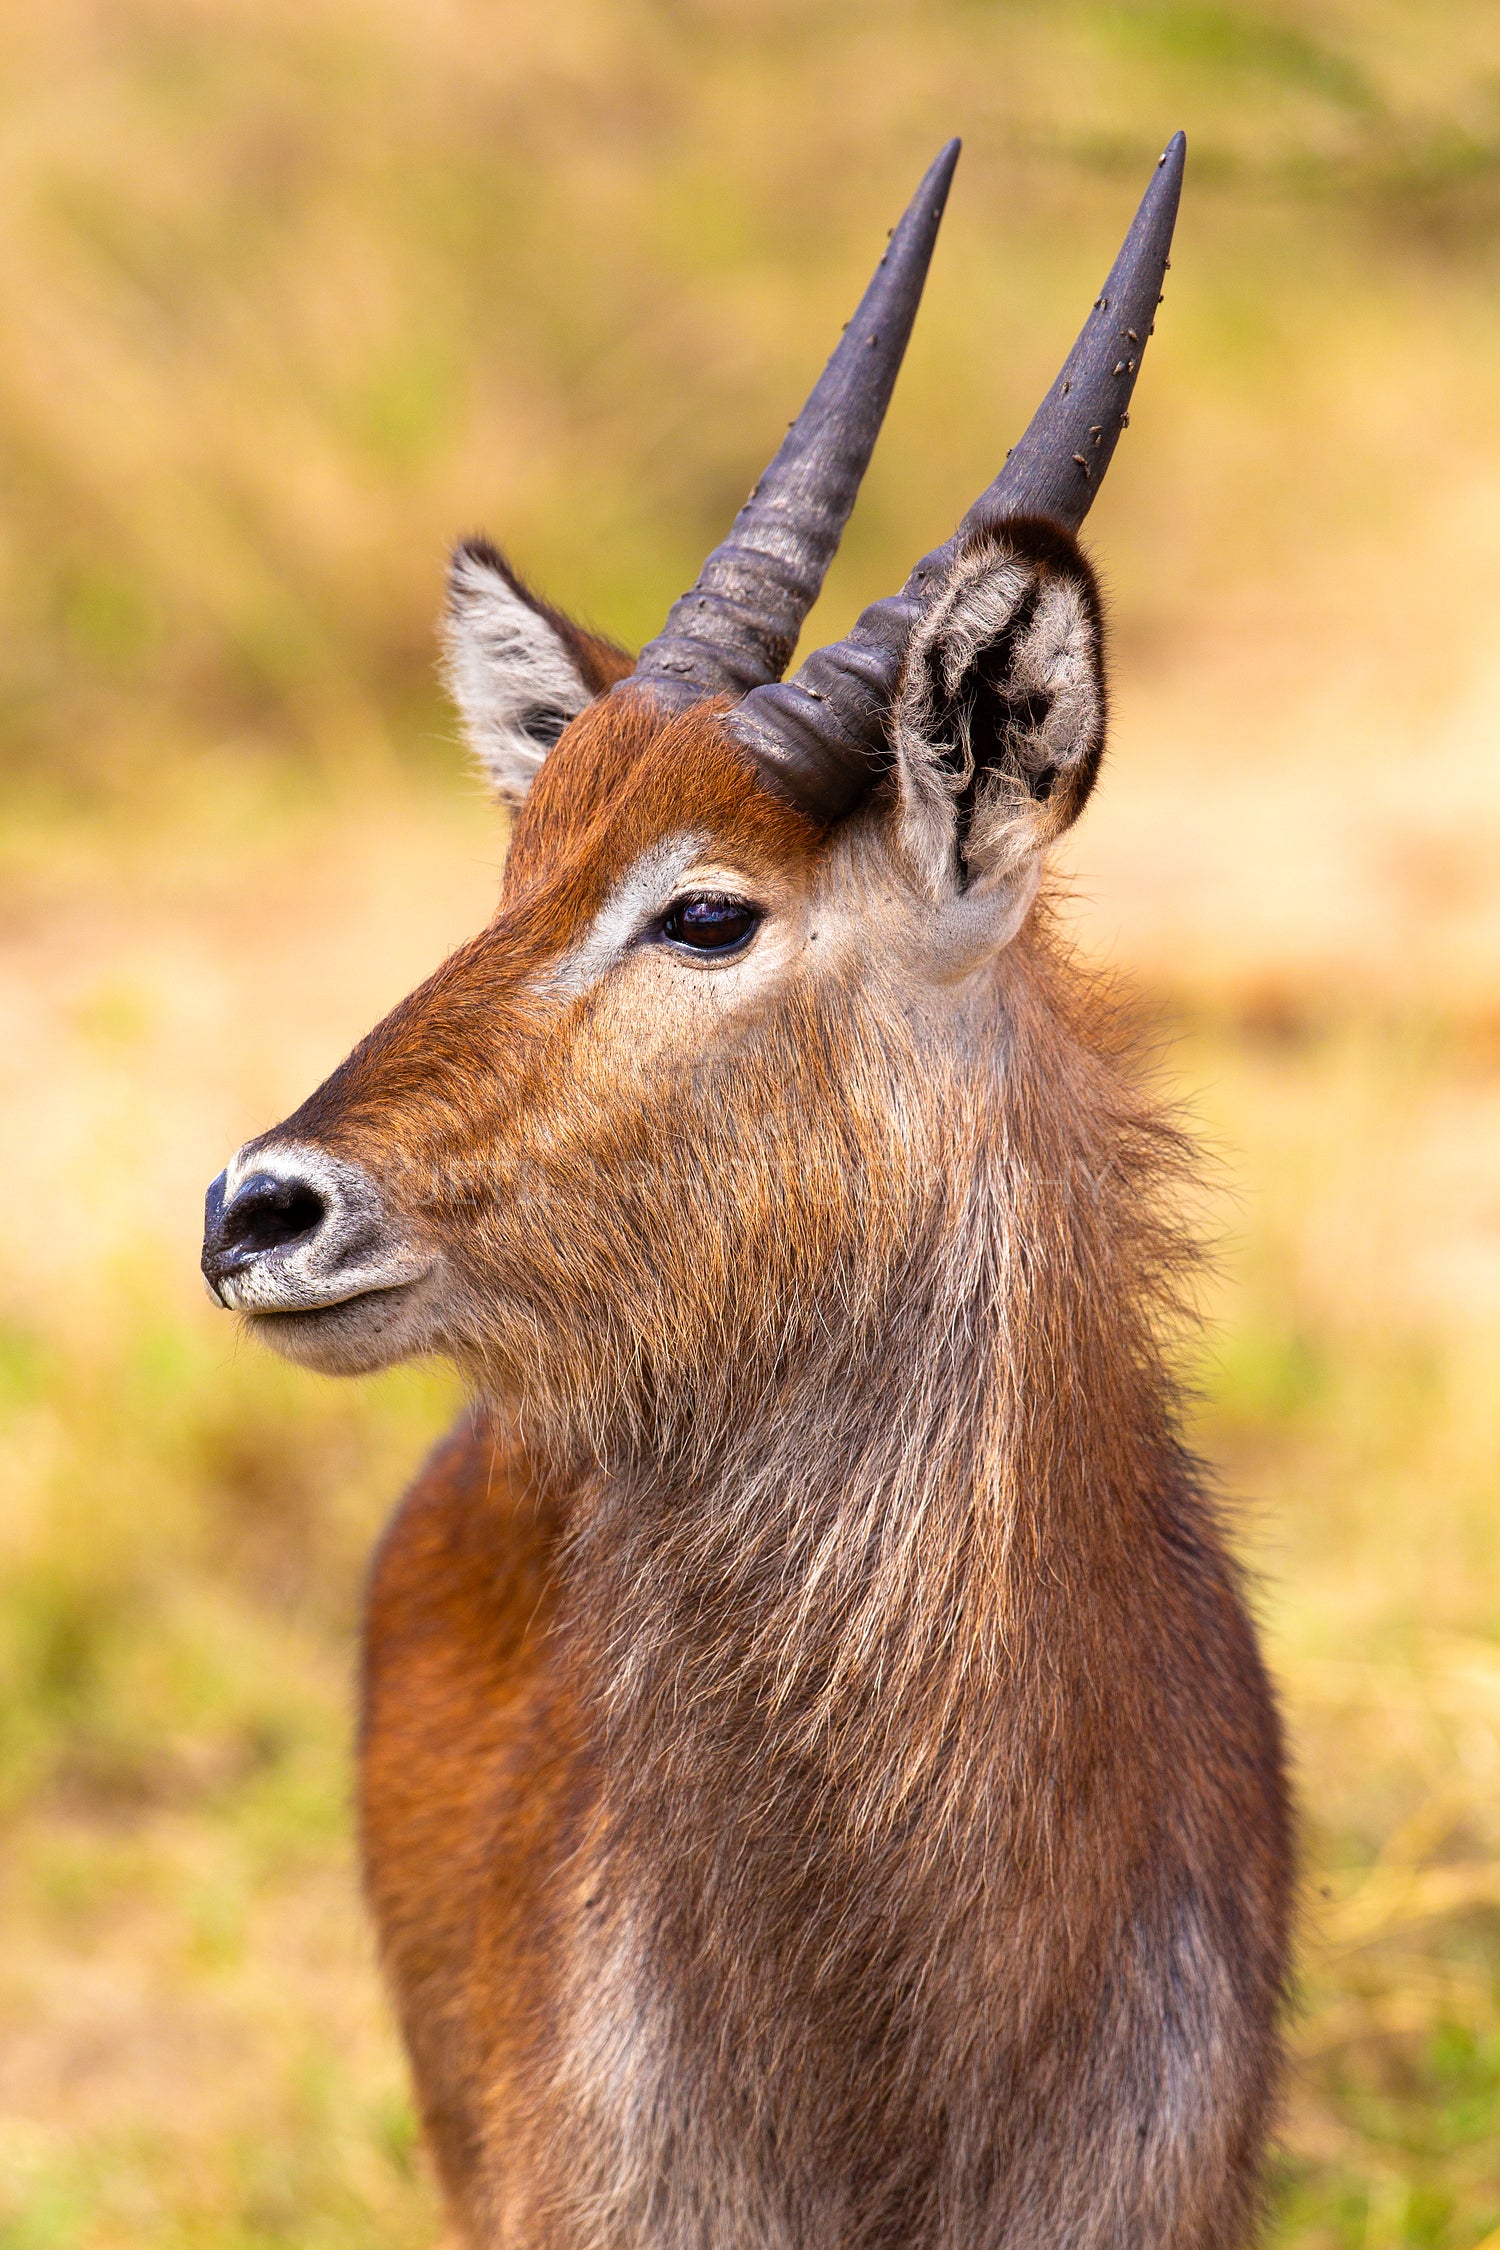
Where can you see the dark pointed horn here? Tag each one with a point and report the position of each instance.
(739, 624)
(821, 738)
(1059, 464)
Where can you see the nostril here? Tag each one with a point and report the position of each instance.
(268, 1214)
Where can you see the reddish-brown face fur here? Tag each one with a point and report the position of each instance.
(529, 1134)
(820, 1785)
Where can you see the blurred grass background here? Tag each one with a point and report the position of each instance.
(290, 295)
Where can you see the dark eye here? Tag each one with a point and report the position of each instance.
(709, 923)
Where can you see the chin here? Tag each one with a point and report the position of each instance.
(358, 1337)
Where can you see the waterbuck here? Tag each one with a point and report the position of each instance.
(819, 1782)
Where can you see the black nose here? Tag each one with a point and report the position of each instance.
(265, 1213)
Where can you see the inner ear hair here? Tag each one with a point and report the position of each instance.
(1002, 704)
(518, 669)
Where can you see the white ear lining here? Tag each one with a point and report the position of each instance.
(982, 608)
(1056, 655)
(510, 673)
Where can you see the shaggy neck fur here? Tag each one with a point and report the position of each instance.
(880, 1643)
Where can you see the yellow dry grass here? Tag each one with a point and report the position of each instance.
(289, 295)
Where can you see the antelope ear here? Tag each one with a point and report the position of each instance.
(518, 670)
(1000, 716)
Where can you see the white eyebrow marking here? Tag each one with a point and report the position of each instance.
(641, 892)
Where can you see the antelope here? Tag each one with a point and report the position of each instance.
(819, 1783)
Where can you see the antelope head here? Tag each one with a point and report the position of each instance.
(686, 1103)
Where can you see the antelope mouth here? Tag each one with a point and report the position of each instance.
(300, 1243)
(354, 1335)
(363, 1303)
(368, 1294)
